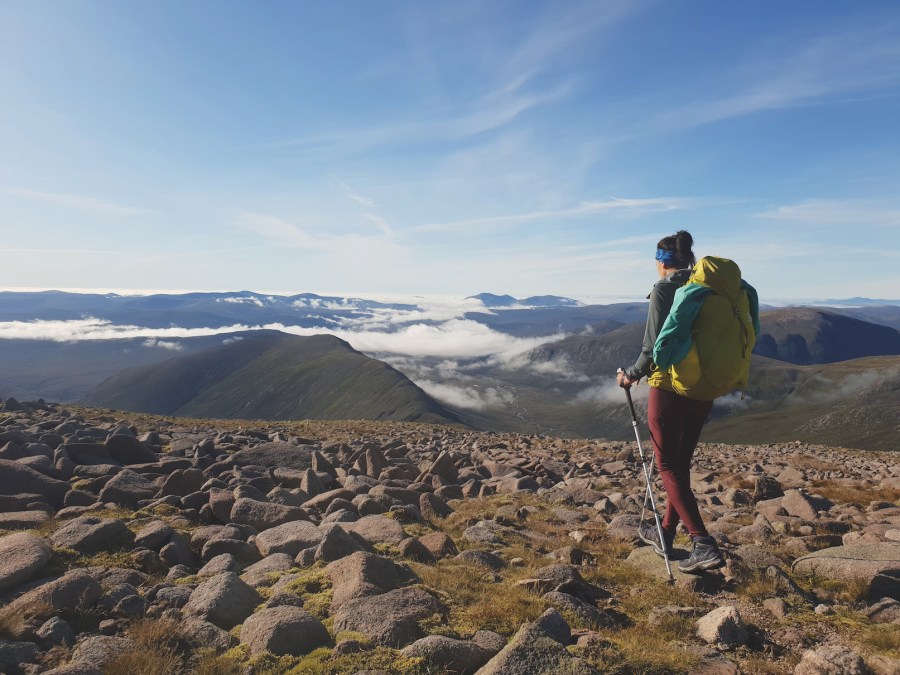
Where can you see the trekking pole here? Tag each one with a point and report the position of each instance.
(649, 495)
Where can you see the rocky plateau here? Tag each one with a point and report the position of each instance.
(138, 544)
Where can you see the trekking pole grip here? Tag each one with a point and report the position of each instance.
(631, 405)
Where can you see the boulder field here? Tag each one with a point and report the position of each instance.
(132, 543)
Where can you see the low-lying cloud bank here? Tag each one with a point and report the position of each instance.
(453, 339)
(470, 398)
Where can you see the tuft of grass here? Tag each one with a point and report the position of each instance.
(314, 586)
(881, 639)
(208, 662)
(848, 494)
(638, 650)
(158, 650)
(417, 529)
(387, 550)
(321, 662)
(14, 625)
(757, 586)
(835, 590)
(476, 601)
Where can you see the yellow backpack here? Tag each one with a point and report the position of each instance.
(706, 341)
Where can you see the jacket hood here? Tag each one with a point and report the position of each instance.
(720, 274)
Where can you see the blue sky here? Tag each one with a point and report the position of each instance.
(448, 148)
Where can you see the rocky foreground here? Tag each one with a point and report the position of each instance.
(148, 545)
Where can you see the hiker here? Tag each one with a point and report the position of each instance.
(681, 397)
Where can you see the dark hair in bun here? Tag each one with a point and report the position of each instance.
(680, 243)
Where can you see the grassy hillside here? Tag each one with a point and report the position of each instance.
(272, 376)
(852, 404)
(805, 335)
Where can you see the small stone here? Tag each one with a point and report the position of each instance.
(831, 660)
(723, 626)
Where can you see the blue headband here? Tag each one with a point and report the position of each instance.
(667, 257)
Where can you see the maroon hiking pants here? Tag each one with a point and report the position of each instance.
(675, 424)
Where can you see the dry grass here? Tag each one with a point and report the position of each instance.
(763, 664)
(834, 591)
(883, 639)
(14, 625)
(208, 662)
(757, 586)
(159, 649)
(637, 650)
(476, 601)
(321, 662)
(847, 494)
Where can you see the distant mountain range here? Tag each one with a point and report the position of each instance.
(823, 374)
(272, 376)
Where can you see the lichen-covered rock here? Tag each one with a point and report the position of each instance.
(264, 515)
(532, 651)
(75, 589)
(831, 660)
(224, 600)
(283, 631)
(460, 657)
(290, 538)
(91, 534)
(723, 626)
(14, 653)
(363, 574)
(127, 488)
(17, 479)
(390, 619)
(22, 555)
(377, 529)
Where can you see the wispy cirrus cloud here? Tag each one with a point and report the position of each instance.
(860, 61)
(79, 202)
(353, 195)
(836, 212)
(654, 204)
(437, 125)
(286, 233)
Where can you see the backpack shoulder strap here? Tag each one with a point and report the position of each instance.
(674, 340)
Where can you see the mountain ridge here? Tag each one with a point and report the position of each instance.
(272, 376)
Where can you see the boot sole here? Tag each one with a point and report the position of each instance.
(654, 545)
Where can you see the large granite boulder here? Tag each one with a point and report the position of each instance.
(127, 488)
(390, 619)
(283, 631)
(290, 538)
(91, 534)
(224, 600)
(22, 555)
(276, 455)
(876, 564)
(16, 478)
(364, 574)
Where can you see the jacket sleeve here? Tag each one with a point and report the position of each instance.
(660, 302)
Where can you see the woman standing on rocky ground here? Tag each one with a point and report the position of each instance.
(675, 421)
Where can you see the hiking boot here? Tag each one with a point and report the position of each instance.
(648, 534)
(705, 556)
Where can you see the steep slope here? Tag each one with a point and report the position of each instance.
(852, 404)
(805, 335)
(271, 375)
(595, 354)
